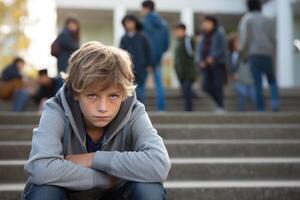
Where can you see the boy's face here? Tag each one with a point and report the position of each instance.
(179, 32)
(100, 108)
(130, 25)
(207, 26)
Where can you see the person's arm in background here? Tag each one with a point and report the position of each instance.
(148, 52)
(218, 48)
(46, 164)
(243, 34)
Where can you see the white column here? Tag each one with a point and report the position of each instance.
(187, 17)
(285, 47)
(41, 30)
(119, 13)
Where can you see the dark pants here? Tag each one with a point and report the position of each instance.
(262, 65)
(129, 191)
(213, 81)
(187, 92)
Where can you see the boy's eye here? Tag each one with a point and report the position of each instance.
(92, 96)
(113, 96)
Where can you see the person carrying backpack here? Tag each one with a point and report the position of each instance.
(66, 43)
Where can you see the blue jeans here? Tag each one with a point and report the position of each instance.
(243, 92)
(129, 191)
(140, 90)
(262, 65)
(159, 89)
(187, 92)
(19, 100)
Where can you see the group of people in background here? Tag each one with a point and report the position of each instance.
(240, 59)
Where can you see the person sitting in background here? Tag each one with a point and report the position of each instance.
(212, 60)
(185, 64)
(239, 74)
(12, 86)
(48, 87)
(136, 43)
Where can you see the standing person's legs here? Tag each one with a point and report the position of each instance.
(268, 70)
(137, 191)
(240, 91)
(19, 100)
(159, 89)
(255, 64)
(45, 192)
(207, 81)
(140, 90)
(218, 82)
(187, 92)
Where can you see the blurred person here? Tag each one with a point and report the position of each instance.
(212, 60)
(48, 87)
(156, 30)
(239, 73)
(258, 44)
(12, 86)
(135, 42)
(66, 43)
(185, 64)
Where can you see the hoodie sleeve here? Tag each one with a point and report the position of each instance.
(149, 162)
(46, 164)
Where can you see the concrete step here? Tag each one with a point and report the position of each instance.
(198, 169)
(208, 190)
(9, 118)
(187, 131)
(192, 148)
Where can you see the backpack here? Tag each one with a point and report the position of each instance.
(55, 48)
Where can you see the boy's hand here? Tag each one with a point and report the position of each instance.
(84, 160)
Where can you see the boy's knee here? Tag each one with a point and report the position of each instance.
(45, 192)
(147, 191)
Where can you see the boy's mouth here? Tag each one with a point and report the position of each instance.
(101, 117)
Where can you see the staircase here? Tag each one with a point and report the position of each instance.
(233, 156)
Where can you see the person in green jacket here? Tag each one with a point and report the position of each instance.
(185, 64)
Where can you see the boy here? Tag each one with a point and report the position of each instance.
(185, 64)
(95, 140)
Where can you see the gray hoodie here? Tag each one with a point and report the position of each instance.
(132, 150)
(257, 35)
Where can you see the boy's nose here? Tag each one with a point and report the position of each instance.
(102, 106)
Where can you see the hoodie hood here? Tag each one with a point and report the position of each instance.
(154, 20)
(74, 116)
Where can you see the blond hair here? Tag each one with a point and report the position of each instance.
(95, 63)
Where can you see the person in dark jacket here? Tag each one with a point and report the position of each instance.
(156, 29)
(212, 60)
(12, 86)
(136, 43)
(185, 63)
(48, 87)
(68, 41)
